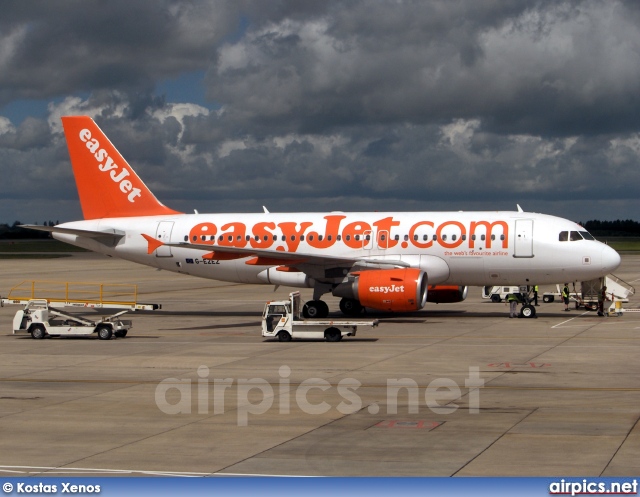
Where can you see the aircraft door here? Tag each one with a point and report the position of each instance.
(523, 246)
(163, 233)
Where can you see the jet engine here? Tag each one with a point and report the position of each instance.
(446, 294)
(386, 289)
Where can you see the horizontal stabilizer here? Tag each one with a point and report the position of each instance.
(111, 234)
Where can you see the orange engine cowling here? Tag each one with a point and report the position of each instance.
(387, 289)
(446, 294)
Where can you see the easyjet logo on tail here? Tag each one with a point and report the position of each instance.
(106, 164)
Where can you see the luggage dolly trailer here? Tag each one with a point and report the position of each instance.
(40, 320)
(282, 319)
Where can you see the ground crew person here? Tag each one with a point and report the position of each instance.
(565, 296)
(535, 295)
(602, 296)
(513, 301)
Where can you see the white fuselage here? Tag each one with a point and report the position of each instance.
(456, 248)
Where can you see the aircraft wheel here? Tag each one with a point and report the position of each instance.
(528, 311)
(104, 332)
(350, 307)
(315, 309)
(283, 336)
(333, 335)
(38, 331)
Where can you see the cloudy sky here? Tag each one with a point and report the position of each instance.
(226, 106)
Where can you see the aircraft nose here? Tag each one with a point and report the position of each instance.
(610, 259)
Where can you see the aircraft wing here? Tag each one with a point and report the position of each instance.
(276, 257)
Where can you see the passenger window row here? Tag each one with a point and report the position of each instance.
(383, 237)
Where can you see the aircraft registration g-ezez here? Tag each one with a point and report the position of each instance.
(392, 261)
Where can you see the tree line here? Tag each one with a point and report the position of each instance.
(15, 232)
(620, 227)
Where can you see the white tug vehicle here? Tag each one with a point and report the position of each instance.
(282, 319)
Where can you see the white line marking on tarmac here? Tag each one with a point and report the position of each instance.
(571, 319)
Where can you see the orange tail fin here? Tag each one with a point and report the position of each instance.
(107, 185)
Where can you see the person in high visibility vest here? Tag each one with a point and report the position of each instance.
(535, 295)
(513, 299)
(565, 296)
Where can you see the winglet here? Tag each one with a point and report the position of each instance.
(153, 243)
(107, 185)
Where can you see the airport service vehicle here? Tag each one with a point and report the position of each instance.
(40, 320)
(390, 261)
(498, 293)
(282, 319)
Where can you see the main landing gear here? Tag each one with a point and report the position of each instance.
(318, 309)
(315, 309)
(350, 307)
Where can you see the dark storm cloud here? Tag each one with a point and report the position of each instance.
(334, 105)
(32, 133)
(556, 68)
(57, 48)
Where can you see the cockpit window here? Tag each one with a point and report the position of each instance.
(564, 236)
(586, 235)
(575, 236)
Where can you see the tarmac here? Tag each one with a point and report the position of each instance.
(194, 389)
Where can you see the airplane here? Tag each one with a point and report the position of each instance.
(388, 261)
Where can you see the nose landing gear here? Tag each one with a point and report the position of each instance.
(528, 311)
